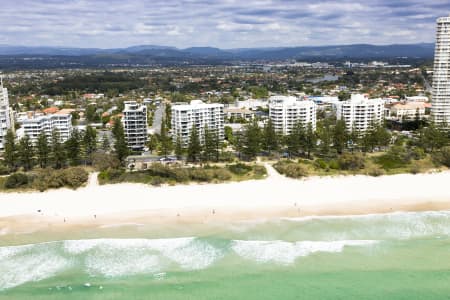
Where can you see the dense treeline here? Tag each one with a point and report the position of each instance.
(47, 157)
(50, 152)
(330, 139)
(95, 83)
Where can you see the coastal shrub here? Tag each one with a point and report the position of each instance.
(222, 174)
(202, 175)
(305, 161)
(74, 177)
(158, 174)
(157, 181)
(415, 168)
(333, 164)
(52, 179)
(239, 169)
(227, 156)
(16, 180)
(291, 169)
(442, 157)
(48, 179)
(4, 170)
(418, 153)
(349, 161)
(180, 174)
(105, 161)
(259, 171)
(113, 175)
(160, 170)
(396, 157)
(375, 171)
(321, 164)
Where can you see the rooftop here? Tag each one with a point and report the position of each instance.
(289, 101)
(196, 104)
(238, 110)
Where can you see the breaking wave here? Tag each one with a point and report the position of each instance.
(126, 257)
(286, 253)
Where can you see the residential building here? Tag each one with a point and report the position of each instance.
(441, 77)
(287, 111)
(237, 114)
(408, 110)
(5, 114)
(252, 104)
(47, 123)
(199, 114)
(134, 122)
(360, 112)
(417, 99)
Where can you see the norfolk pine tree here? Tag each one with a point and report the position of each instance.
(26, 153)
(10, 150)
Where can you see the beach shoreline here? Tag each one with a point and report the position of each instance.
(270, 198)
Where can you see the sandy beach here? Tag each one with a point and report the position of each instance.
(273, 197)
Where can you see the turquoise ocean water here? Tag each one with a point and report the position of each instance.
(390, 256)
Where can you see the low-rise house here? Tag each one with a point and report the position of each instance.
(408, 110)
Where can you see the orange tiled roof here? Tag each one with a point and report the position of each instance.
(65, 111)
(50, 110)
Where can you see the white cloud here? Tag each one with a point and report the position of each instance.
(220, 23)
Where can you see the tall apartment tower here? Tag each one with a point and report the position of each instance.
(135, 125)
(441, 78)
(198, 114)
(5, 113)
(287, 111)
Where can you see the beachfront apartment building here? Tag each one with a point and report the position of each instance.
(360, 113)
(34, 126)
(135, 125)
(199, 114)
(441, 76)
(286, 112)
(5, 114)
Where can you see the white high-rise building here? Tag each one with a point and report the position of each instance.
(287, 111)
(198, 114)
(47, 123)
(360, 112)
(135, 125)
(5, 113)
(440, 110)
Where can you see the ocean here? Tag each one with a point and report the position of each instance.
(386, 256)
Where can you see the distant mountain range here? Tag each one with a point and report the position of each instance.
(422, 50)
(21, 57)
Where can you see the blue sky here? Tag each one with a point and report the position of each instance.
(220, 23)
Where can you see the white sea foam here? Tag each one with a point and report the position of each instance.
(286, 252)
(6, 252)
(28, 263)
(194, 256)
(114, 264)
(82, 246)
(397, 214)
(397, 225)
(121, 257)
